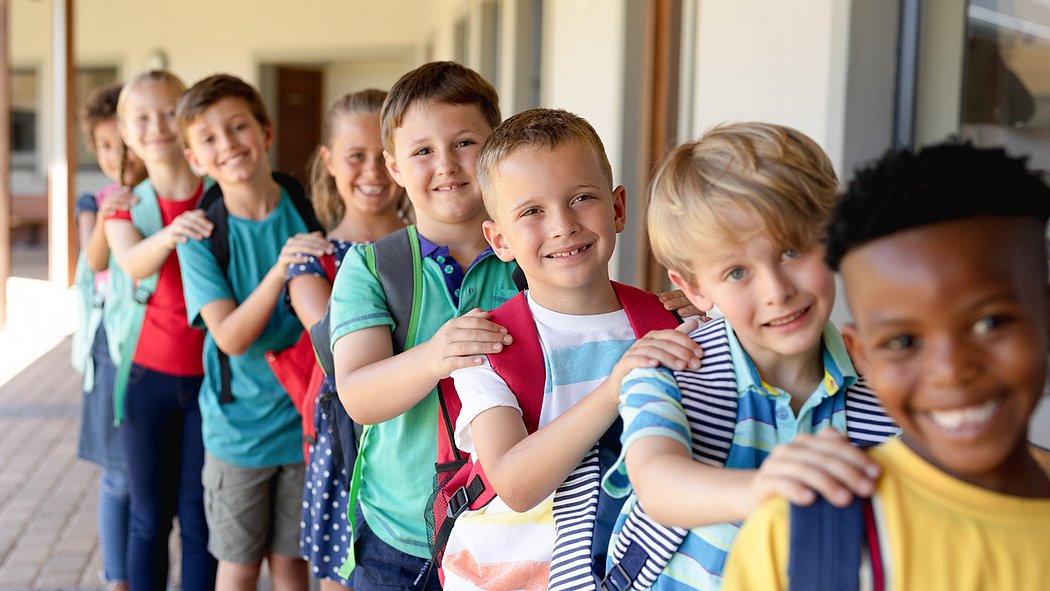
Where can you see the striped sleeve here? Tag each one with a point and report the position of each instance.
(650, 406)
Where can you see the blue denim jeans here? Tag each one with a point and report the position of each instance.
(381, 567)
(113, 505)
(165, 454)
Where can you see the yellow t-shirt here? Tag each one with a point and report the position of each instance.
(938, 533)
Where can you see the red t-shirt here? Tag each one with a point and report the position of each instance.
(167, 344)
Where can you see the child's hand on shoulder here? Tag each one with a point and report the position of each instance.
(298, 248)
(463, 341)
(671, 348)
(189, 225)
(676, 301)
(119, 200)
(824, 464)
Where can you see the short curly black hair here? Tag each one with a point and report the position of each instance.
(948, 181)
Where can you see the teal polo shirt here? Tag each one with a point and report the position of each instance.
(261, 427)
(398, 455)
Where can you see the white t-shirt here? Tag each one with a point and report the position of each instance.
(496, 547)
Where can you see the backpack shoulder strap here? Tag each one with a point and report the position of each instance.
(867, 424)
(644, 310)
(214, 207)
(523, 363)
(397, 264)
(827, 545)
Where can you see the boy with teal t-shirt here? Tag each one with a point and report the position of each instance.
(253, 468)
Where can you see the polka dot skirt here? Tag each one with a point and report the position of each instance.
(324, 533)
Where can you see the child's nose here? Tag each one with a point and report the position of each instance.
(447, 162)
(562, 223)
(950, 362)
(777, 287)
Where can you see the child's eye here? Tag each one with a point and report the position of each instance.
(465, 142)
(356, 156)
(422, 152)
(899, 342)
(789, 254)
(735, 274)
(582, 197)
(529, 211)
(988, 324)
(240, 127)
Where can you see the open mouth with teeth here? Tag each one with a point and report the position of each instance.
(372, 190)
(568, 253)
(450, 187)
(786, 320)
(967, 418)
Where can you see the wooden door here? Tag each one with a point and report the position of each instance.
(299, 112)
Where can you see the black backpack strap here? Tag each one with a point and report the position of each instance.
(825, 546)
(215, 210)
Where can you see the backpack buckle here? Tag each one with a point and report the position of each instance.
(458, 503)
(617, 579)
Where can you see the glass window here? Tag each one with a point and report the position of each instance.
(1006, 85)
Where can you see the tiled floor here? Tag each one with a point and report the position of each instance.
(48, 537)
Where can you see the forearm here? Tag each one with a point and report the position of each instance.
(138, 256)
(384, 388)
(235, 331)
(662, 480)
(309, 296)
(97, 250)
(538, 464)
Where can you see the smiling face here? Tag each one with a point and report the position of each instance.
(228, 143)
(434, 153)
(355, 161)
(951, 332)
(147, 122)
(109, 150)
(777, 298)
(557, 216)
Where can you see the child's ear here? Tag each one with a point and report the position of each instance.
(620, 207)
(497, 241)
(326, 156)
(268, 135)
(854, 348)
(192, 161)
(391, 167)
(696, 297)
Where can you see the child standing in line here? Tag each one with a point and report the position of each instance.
(943, 259)
(736, 217)
(253, 467)
(99, 439)
(433, 122)
(162, 430)
(357, 200)
(547, 185)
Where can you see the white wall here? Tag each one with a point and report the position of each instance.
(771, 61)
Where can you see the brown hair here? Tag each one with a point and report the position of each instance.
(213, 89)
(438, 82)
(535, 128)
(100, 106)
(328, 204)
(775, 172)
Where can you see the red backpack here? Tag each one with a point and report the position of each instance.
(461, 484)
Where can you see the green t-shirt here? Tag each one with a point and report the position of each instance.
(261, 427)
(398, 455)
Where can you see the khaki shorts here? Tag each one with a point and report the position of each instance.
(252, 511)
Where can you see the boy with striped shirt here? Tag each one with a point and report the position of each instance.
(547, 185)
(943, 260)
(736, 218)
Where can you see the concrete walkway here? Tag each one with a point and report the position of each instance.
(48, 535)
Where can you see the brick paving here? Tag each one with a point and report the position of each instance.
(48, 535)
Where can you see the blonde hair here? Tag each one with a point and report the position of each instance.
(535, 128)
(774, 172)
(151, 76)
(328, 204)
